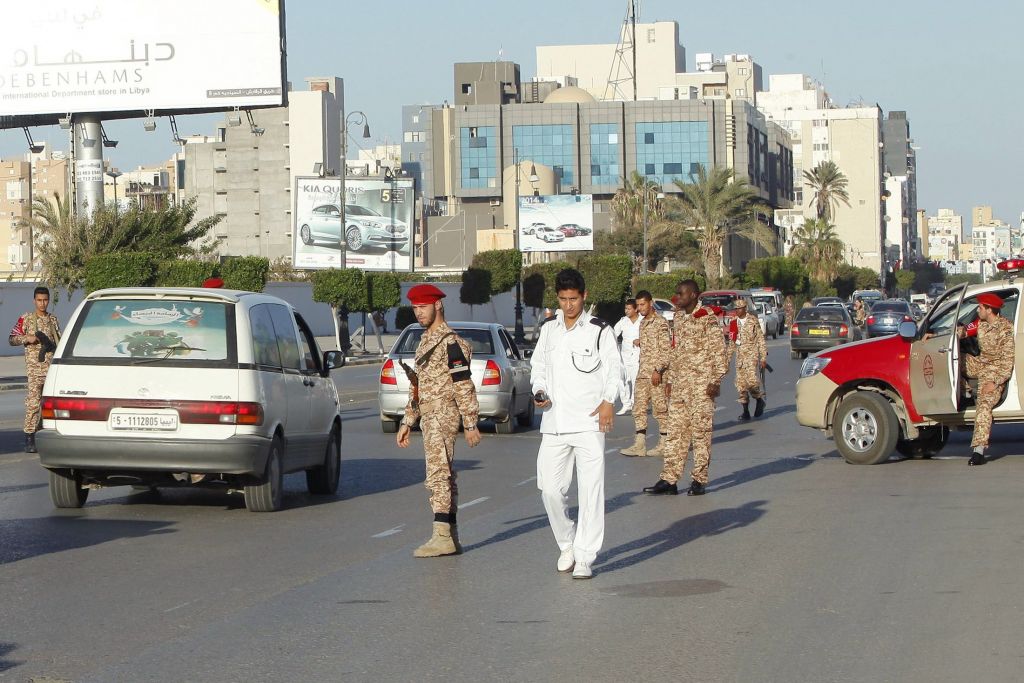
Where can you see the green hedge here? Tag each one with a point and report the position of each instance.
(476, 286)
(383, 291)
(608, 279)
(663, 285)
(245, 273)
(539, 285)
(505, 266)
(404, 317)
(340, 287)
(119, 270)
(183, 273)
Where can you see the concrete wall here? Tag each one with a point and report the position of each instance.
(16, 299)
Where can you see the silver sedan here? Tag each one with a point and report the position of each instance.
(500, 370)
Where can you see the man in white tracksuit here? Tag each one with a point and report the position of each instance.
(576, 375)
(628, 329)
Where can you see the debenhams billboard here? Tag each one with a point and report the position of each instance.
(109, 56)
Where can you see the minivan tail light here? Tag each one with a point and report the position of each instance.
(54, 408)
(387, 373)
(219, 412)
(189, 412)
(492, 374)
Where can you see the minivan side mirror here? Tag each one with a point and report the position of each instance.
(908, 330)
(333, 360)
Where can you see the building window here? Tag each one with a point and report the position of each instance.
(415, 118)
(474, 173)
(473, 132)
(548, 144)
(648, 138)
(740, 92)
(651, 33)
(673, 168)
(604, 154)
(478, 158)
(741, 71)
(680, 149)
(467, 88)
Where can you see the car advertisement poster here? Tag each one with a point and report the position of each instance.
(378, 224)
(182, 330)
(561, 222)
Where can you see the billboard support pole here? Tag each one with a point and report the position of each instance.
(520, 334)
(88, 164)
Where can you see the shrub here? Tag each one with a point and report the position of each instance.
(245, 273)
(383, 291)
(539, 285)
(784, 273)
(404, 317)
(125, 269)
(476, 286)
(183, 272)
(345, 287)
(505, 266)
(608, 279)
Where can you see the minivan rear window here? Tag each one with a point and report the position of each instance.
(479, 339)
(136, 329)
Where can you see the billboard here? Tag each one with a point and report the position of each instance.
(108, 56)
(378, 224)
(558, 222)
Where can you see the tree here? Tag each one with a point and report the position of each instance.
(851, 278)
(829, 185)
(607, 278)
(905, 280)
(344, 289)
(819, 249)
(713, 207)
(505, 266)
(784, 273)
(628, 203)
(476, 287)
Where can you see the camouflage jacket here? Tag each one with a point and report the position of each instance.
(747, 341)
(996, 342)
(699, 357)
(442, 367)
(26, 327)
(655, 344)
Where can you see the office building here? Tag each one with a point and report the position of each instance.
(900, 164)
(945, 234)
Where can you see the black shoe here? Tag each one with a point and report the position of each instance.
(746, 412)
(976, 459)
(696, 489)
(662, 488)
(30, 443)
(759, 410)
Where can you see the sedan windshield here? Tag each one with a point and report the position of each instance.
(479, 339)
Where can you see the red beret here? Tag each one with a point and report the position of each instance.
(424, 295)
(213, 283)
(991, 300)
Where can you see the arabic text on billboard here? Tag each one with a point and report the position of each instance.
(378, 224)
(60, 56)
(559, 222)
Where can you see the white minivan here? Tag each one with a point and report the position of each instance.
(155, 387)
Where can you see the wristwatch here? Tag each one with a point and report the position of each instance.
(469, 428)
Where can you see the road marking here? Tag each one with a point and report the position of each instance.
(389, 532)
(527, 481)
(606, 452)
(474, 502)
(177, 607)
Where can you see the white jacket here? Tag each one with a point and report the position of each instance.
(577, 368)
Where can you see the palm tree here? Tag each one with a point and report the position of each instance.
(829, 185)
(818, 247)
(628, 202)
(715, 206)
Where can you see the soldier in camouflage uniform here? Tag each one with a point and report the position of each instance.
(655, 343)
(697, 364)
(39, 333)
(441, 397)
(747, 340)
(992, 367)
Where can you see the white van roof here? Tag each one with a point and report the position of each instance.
(230, 295)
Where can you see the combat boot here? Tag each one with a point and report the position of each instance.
(759, 409)
(440, 543)
(658, 450)
(639, 447)
(746, 412)
(30, 443)
(455, 539)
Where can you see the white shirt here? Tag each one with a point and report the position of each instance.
(740, 322)
(629, 330)
(578, 368)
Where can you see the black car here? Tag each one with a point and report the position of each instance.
(820, 327)
(885, 317)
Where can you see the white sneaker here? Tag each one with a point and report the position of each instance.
(625, 410)
(582, 571)
(566, 561)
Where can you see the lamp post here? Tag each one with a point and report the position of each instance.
(359, 119)
(519, 335)
(114, 175)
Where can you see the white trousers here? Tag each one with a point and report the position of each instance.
(629, 373)
(559, 454)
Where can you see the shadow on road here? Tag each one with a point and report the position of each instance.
(20, 487)
(367, 476)
(5, 650)
(680, 533)
(734, 436)
(21, 539)
(765, 469)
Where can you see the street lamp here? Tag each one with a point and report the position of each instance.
(519, 335)
(359, 119)
(114, 175)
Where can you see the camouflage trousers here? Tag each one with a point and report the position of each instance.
(439, 431)
(984, 402)
(690, 413)
(644, 396)
(33, 398)
(748, 379)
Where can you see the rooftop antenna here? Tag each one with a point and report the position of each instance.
(623, 69)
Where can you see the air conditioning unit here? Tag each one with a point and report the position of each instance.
(495, 202)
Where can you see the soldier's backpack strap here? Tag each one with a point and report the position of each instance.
(458, 364)
(425, 358)
(601, 324)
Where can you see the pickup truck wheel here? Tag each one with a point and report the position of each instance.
(266, 496)
(865, 428)
(66, 489)
(323, 480)
(931, 441)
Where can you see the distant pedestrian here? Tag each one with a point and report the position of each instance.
(860, 313)
(441, 398)
(627, 331)
(38, 332)
(575, 377)
(747, 342)
(790, 313)
(655, 342)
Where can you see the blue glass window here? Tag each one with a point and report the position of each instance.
(479, 157)
(604, 154)
(676, 148)
(551, 145)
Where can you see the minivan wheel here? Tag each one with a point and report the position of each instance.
(865, 428)
(389, 426)
(354, 238)
(323, 480)
(66, 490)
(306, 235)
(266, 496)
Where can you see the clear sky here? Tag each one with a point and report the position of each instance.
(954, 67)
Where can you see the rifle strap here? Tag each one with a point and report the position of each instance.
(425, 358)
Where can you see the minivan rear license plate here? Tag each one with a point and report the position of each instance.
(136, 421)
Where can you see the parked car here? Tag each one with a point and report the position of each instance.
(175, 387)
(905, 392)
(885, 317)
(665, 308)
(770, 321)
(532, 228)
(501, 375)
(820, 327)
(549, 234)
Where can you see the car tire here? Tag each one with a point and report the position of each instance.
(66, 490)
(266, 496)
(526, 419)
(354, 238)
(509, 425)
(931, 441)
(323, 480)
(865, 428)
(306, 235)
(389, 426)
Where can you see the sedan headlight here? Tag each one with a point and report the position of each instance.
(373, 224)
(812, 366)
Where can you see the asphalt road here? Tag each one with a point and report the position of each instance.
(795, 567)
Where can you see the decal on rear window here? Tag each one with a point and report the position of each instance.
(185, 330)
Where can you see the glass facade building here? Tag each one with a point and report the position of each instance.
(604, 154)
(551, 145)
(479, 156)
(668, 150)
